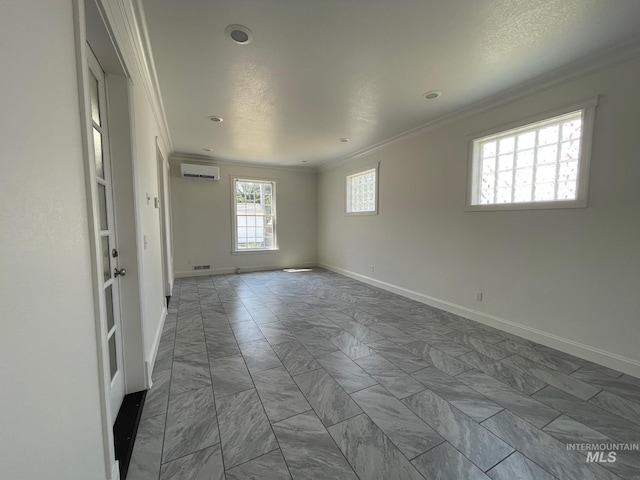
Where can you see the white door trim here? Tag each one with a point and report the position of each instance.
(107, 231)
(91, 25)
(162, 210)
(106, 419)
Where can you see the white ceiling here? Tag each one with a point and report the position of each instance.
(319, 70)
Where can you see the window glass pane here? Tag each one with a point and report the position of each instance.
(487, 196)
(505, 162)
(544, 192)
(570, 150)
(568, 171)
(572, 130)
(102, 206)
(524, 176)
(548, 135)
(489, 181)
(489, 165)
(505, 179)
(567, 190)
(113, 363)
(546, 174)
(97, 146)
(95, 102)
(361, 192)
(106, 266)
(255, 215)
(506, 145)
(526, 140)
(108, 298)
(489, 149)
(524, 159)
(522, 193)
(546, 154)
(503, 195)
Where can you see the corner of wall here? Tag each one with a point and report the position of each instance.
(586, 352)
(151, 359)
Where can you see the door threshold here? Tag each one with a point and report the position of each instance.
(126, 428)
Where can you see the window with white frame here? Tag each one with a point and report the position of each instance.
(254, 215)
(362, 192)
(540, 165)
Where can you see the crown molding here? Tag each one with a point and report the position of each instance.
(590, 65)
(127, 22)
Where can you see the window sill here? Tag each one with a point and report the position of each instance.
(527, 206)
(357, 214)
(255, 250)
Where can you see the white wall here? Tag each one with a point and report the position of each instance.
(49, 394)
(50, 399)
(202, 220)
(570, 273)
(146, 176)
(148, 133)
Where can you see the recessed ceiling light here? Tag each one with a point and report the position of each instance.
(432, 95)
(239, 34)
(207, 149)
(345, 140)
(216, 119)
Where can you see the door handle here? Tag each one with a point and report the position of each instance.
(122, 272)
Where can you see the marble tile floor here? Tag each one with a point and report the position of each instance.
(312, 375)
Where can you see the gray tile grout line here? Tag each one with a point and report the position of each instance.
(213, 394)
(355, 306)
(595, 395)
(255, 458)
(349, 395)
(264, 410)
(521, 453)
(479, 425)
(504, 459)
(364, 413)
(166, 418)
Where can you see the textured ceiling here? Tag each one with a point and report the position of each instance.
(319, 70)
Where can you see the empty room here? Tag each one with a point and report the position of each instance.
(295, 239)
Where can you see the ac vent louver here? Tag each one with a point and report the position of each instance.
(193, 170)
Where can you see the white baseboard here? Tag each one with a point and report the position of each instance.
(115, 470)
(592, 354)
(227, 270)
(151, 360)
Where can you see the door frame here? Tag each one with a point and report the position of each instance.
(92, 27)
(165, 222)
(118, 381)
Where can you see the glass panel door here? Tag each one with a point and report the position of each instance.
(109, 279)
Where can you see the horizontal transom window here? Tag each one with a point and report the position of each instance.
(540, 165)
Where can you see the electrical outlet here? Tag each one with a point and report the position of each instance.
(372, 267)
(478, 296)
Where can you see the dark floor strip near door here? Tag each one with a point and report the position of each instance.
(126, 428)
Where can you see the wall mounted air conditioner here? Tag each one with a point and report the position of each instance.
(192, 170)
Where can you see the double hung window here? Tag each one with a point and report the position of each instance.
(254, 203)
